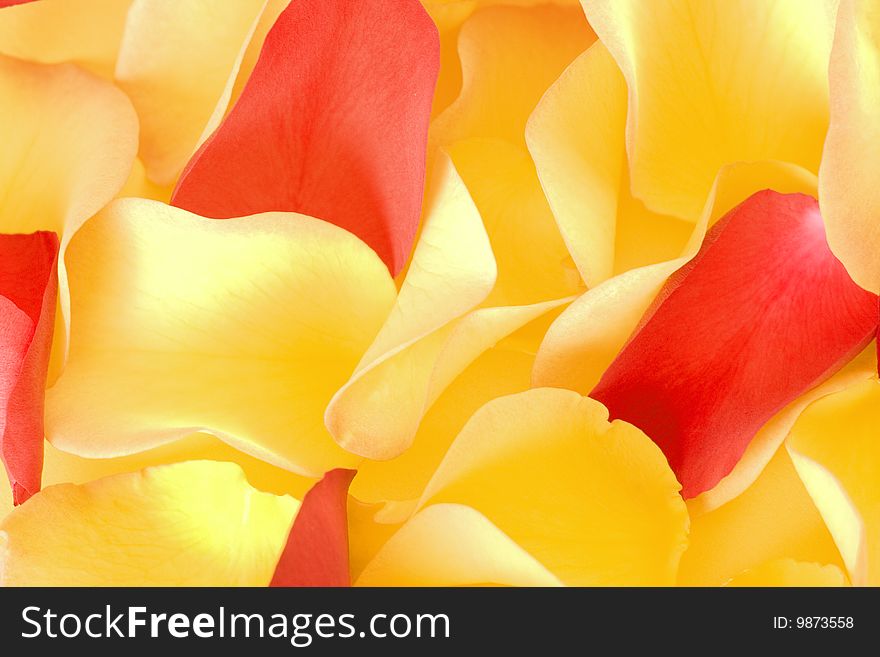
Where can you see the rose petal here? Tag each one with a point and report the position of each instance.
(761, 315)
(185, 56)
(594, 502)
(343, 139)
(190, 524)
(432, 334)
(453, 545)
(244, 328)
(86, 32)
(835, 450)
(713, 82)
(772, 519)
(28, 294)
(576, 137)
(850, 196)
(509, 56)
(316, 553)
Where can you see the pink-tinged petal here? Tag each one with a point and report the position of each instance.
(12, 3)
(761, 315)
(332, 123)
(317, 547)
(28, 294)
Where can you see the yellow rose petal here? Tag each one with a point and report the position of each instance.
(714, 82)
(787, 572)
(773, 519)
(85, 32)
(495, 373)
(177, 63)
(509, 57)
(835, 449)
(453, 545)
(594, 502)
(243, 328)
(533, 263)
(191, 524)
(850, 195)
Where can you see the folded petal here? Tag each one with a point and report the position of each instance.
(343, 138)
(433, 332)
(787, 572)
(509, 57)
(761, 315)
(177, 63)
(453, 545)
(28, 295)
(85, 32)
(533, 263)
(849, 194)
(316, 553)
(713, 82)
(190, 524)
(835, 450)
(243, 328)
(773, 519)
(498, 371)
(576, 136)
(594, 502)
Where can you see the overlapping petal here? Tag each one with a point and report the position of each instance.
(316, 552)
(28, 295)
(585, 500)
(839, 467)
(178, 62)
(483, 131)
(765, 310)
(434, 330)
(849, 194)
(773, 519)
(85, 32)
(713, 82)
(189, 524)
(244, 328)
(343, 138)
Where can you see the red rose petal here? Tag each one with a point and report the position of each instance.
(332, 123)
(316, 553)
(28, 291)
(761, 315)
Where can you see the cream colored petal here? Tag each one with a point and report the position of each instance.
(849, 191)
(576, 137)
(85, 32)
(835, 450)
(714, 82)
(191, 524)
(243, 328)
(177, 63)
(772, 519)
(592, 501)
